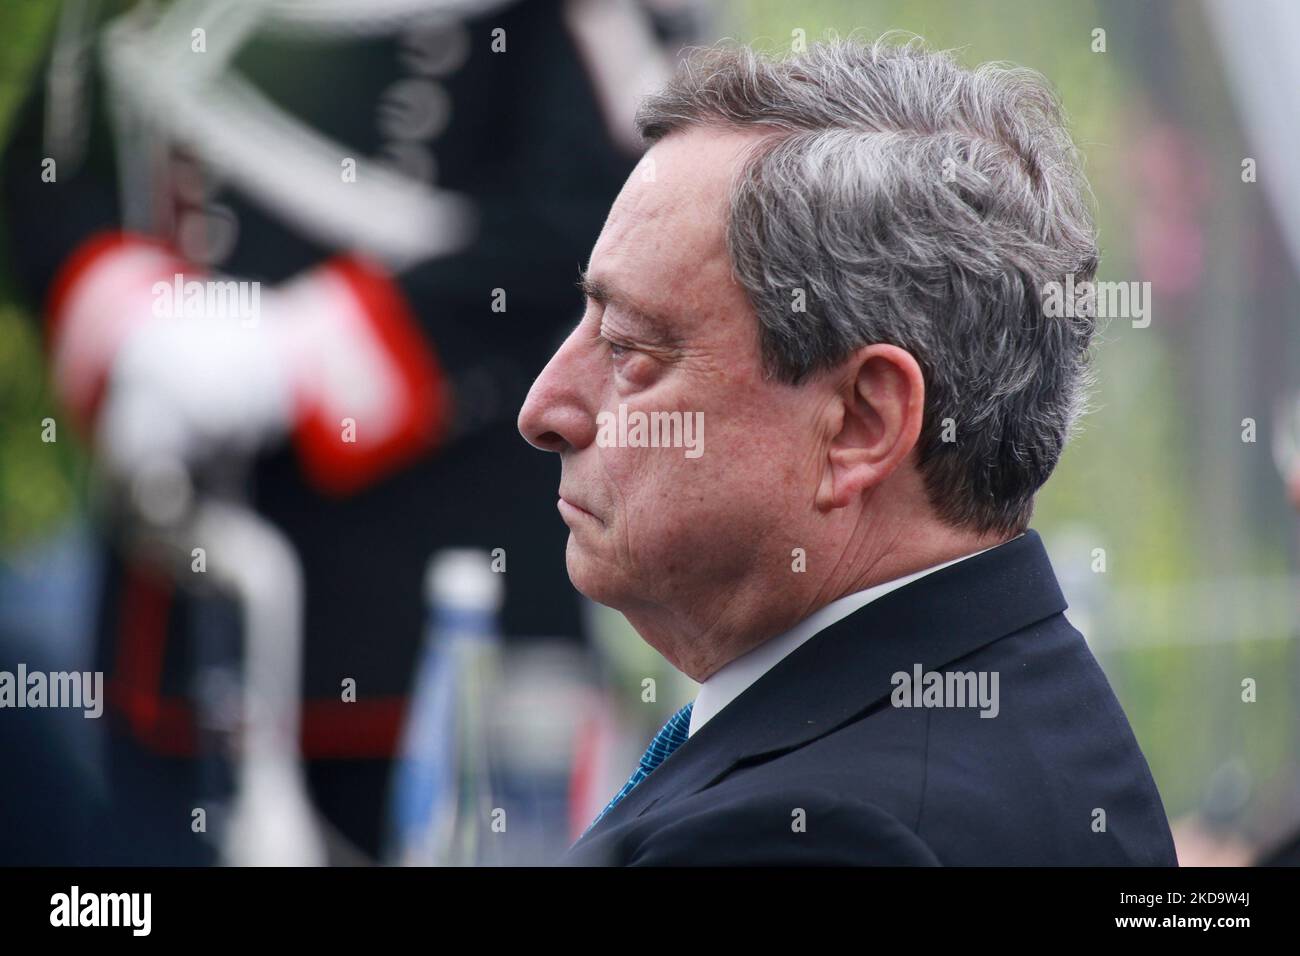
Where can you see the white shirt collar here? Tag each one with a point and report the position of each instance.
(735, 677)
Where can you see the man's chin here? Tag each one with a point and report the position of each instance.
(590, 577)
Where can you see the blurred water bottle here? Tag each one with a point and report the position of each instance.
(442, 807)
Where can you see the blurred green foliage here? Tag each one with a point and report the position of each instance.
(38, 482)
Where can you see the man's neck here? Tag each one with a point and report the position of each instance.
(732, 679)
(699, 641)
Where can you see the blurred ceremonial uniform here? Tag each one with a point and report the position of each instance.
(388, 171)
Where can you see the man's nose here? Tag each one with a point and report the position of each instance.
(555, 415)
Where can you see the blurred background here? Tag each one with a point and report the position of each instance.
(426, 568)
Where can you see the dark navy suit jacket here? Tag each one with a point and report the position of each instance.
(815, 764)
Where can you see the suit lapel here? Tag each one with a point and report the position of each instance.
(847, 669)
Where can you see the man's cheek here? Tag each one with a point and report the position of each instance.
(620, 468)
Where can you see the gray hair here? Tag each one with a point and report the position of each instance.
(910, 201)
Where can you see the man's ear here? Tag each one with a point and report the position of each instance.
(878, 413)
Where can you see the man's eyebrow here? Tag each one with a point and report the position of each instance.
(593, 289)
(604, 294)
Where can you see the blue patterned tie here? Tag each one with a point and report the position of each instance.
(670, 737)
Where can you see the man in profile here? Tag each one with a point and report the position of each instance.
(836, 262)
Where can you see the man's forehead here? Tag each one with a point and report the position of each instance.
(687, 174)
(668, 225)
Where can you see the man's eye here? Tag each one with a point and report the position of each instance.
(617, 351)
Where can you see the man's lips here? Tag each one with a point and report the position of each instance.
(569, 509)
